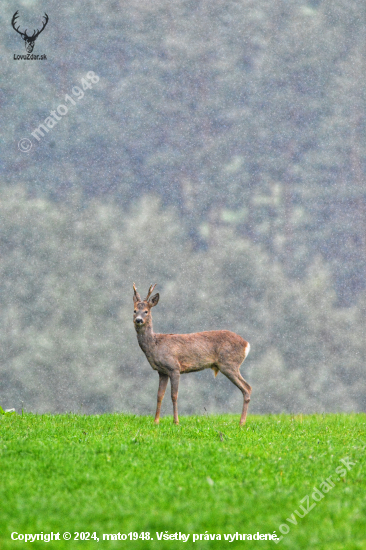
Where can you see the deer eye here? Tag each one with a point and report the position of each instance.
(145, 311)
(135, 311)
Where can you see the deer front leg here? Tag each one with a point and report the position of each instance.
(174, 382)
(163, 382)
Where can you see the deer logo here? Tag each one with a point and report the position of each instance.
(29, 40)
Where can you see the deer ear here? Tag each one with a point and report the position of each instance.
(154, 300)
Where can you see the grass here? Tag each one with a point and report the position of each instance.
(121, 473)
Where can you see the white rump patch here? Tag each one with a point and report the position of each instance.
(247, 350)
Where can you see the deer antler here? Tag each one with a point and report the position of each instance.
(15, 17)
(136, 293)
(150, 292)
(43, 26)
(24, 34)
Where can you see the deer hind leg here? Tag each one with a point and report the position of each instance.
(174, 382)
(237, 379)
(163, 382)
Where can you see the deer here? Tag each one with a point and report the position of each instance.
(28, 40)
(175, 354)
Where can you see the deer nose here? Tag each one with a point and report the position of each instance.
(138, 320)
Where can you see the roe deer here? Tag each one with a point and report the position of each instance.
(175, 354)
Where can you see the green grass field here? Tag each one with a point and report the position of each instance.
(122, 474)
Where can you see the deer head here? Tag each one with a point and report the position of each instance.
(141, 313)
(29, 40)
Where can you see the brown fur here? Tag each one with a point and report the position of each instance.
(175, 354)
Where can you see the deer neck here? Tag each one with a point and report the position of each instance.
(145, 337)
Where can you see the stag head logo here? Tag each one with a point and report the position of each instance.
(29, 40)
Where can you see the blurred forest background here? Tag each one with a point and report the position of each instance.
(220, 155)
